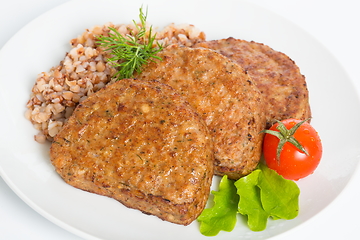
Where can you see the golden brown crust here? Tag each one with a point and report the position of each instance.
(224, 95)
(275, 74)
(142, 144)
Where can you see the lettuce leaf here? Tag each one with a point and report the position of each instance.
(279, 197)
(259, 195)
(222, 216)
(250, 201)
(263, 194)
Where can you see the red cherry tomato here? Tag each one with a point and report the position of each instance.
(293, 164)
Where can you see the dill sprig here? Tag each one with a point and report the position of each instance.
(131, 51)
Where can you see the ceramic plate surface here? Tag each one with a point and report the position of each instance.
(25, 165)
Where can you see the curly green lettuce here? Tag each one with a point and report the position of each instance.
(264, 194)
(222, 216)
(259, 195)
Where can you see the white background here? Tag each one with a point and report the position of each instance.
(336, 24)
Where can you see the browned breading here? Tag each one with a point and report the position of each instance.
(224, 95)
(142, 144)
(275, 74)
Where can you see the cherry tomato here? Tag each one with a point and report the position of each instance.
(291, 162)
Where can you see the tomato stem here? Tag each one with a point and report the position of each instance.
(286, 135)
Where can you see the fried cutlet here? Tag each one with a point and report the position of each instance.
(226, 98)
(275, 74)
(142, 144)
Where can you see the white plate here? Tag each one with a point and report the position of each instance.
(25, 166)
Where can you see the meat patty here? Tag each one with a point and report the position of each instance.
(224, 95)
(275, 74)
(142, 144)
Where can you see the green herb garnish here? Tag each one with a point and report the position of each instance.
(130, 52)
(259, 195)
